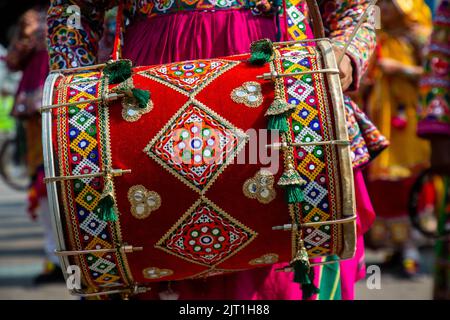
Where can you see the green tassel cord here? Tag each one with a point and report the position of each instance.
(303, 273)
(142, 97)
(105, 209)
(294, 194)
(278, 122)
(118, 71)
(261, 52)
(291, 181)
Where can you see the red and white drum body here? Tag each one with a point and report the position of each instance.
(197, 201)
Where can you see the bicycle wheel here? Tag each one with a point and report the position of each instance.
(13, 169)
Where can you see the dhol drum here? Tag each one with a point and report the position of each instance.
(165, 189)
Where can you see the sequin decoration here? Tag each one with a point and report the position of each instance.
(153, 273)
(248, 94)
(269, 258)
(131, 112)
(143, 202)
(260, 187)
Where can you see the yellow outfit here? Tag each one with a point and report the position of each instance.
(394, 98)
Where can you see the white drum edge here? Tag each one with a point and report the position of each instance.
(49, 167)
(348, 184)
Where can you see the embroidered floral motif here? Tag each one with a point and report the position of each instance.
(189, 77)
(153, 273)
(260, 187)
(248, 94)
(196, 145)
(206, 235)
(269, 258)
(143, 202)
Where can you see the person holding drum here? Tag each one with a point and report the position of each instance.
(169, 31)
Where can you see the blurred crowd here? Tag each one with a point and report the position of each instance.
(408, 80)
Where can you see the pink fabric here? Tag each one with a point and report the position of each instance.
(194, 35)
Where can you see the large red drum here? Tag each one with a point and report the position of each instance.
(181, 174)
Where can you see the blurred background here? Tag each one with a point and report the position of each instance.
(410, 258)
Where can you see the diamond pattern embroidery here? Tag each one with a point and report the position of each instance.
(83, 144)
(206, 235)
(317, 238)
(86, 167)
(311, 167)
(196, 145)
(189, 77)
(102, 266)
(82, 120)
(314, 193)
(93, 226)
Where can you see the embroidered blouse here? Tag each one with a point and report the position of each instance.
(72, 47)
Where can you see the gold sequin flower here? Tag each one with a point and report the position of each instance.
(143, 202)
(260, 187)
(269, 258)
(248, 94)
(153, 273)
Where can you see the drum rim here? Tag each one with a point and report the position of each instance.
(347, 183)
(49, 168)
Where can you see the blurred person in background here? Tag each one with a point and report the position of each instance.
(392, 105)
(434, 125)
(28, 53)
(8, 87)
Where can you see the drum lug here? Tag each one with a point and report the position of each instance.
(123, 249)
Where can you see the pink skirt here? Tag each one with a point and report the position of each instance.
(195, 35)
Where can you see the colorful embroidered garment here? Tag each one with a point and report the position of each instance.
(435, 85)
(72, 47)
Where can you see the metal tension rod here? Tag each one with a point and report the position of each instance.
(108, 98)
(288, 43)
(133, 291)
(275, 75)
(113, 172)
(318, 264)
(122, 249)
(290, 227)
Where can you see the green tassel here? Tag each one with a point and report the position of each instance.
(118, 71)
(308, 290)
(303, 273)
(278, 122)
(142, 97)
(294, 194)
(261, 52)
(105, 209)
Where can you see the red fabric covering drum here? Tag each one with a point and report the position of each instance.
(180, 173)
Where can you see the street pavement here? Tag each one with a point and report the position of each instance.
(22, 258)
